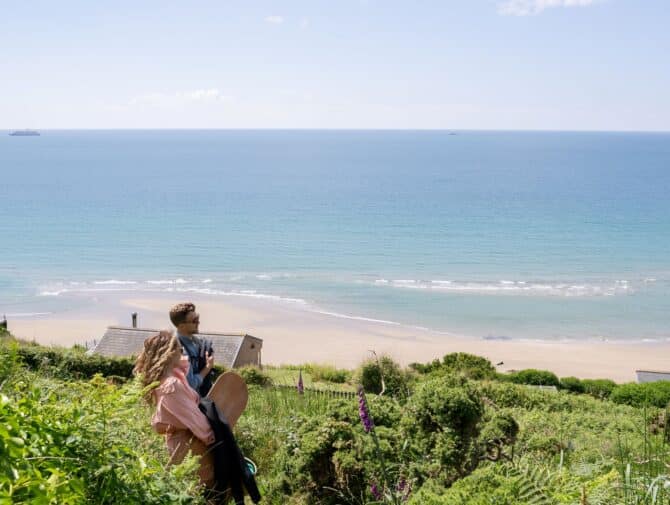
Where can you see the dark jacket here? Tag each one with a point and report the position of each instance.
(230, 468)
(197, 350)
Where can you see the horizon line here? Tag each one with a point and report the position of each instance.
(450, 130)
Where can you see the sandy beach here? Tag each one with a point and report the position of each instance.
(292, 334)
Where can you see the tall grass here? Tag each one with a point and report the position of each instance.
(645, 478)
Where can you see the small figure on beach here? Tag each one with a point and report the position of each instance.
(199, 352)
(177, 414)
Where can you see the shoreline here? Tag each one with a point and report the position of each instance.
(292, 335)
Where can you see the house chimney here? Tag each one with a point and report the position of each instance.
(134, 316)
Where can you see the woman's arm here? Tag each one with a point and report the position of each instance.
(180, 405)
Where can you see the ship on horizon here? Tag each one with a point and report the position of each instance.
(25, 133)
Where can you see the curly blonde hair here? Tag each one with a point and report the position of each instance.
(155, 359)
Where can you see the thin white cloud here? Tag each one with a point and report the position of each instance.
(199, 95)
(160, 99)
(532, 7)
(275, 20)
(304, 22)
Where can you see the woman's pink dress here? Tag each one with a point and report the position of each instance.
(177, 417)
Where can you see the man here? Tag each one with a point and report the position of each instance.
(199, 352)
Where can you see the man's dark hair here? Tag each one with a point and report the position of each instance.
(179, 312)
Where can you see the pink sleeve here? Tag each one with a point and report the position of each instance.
(180, 405)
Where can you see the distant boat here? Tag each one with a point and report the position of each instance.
(25, 133)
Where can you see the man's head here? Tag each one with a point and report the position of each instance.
(185, 318)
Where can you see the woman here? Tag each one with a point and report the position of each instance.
(177, 416)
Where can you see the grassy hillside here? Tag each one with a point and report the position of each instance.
(449, 432)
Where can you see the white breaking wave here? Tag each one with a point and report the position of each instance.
(511, 287)
(162, 282)
(356, 318)
(115, 282)
(242, 293)
(58, 292)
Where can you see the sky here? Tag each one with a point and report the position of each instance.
(421, 64)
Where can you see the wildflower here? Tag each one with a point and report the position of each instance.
(301, 386)
(374, 489)
(403, 488)
(363, 411)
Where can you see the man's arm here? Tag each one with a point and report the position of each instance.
(194, 379)
(209, 363)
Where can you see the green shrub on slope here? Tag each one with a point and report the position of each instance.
(655, 394)
(371, 372)
(83, 442)
(599, 388)
(533, 377)
(457, 363)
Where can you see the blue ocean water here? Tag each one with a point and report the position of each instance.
(545, 235)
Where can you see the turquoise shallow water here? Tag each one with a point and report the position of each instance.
(489, 234)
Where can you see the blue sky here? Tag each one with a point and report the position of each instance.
(473, 64)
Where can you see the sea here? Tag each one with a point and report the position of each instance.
(489, 234)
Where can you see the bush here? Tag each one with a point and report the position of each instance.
(329, 455)
(422, 368)
(572, 384)
(84, 442)
(485, 486)
(434, 435)
(328, 373)
(473, 367)
(68, 363)
(441, 424)
(656, 394)
(469, 365)
(599, 388)
(253, 375)
(499, 431)
(533, 377)
(370, 374)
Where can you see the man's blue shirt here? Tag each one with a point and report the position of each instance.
(190, 348)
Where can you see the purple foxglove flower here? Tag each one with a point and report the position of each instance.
(301, 386)
(376, 494)
(404, 489)
(363, 411)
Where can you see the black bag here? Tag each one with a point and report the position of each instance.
(230, 468)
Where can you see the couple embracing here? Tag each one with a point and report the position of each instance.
(177, 372)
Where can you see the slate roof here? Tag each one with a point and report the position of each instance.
(652, 375)
(125, 341)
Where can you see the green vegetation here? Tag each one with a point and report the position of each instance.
(461, 363)
(383, 374)
(534, 377)
(450, 432)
